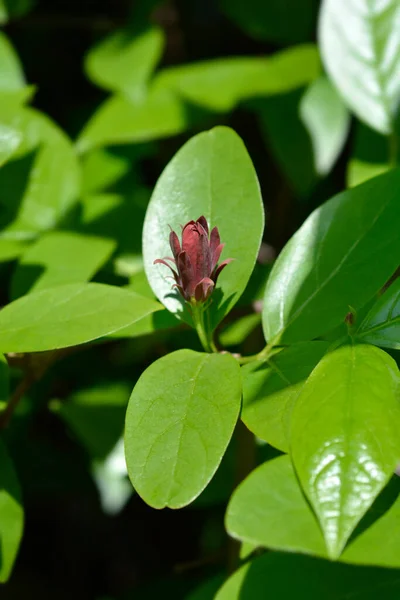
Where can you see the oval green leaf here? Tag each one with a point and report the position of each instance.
(222, 83)
(212, 175)
(344, 437)
(68, 315)
(360, 47)
(381, 326)
(124, 60)
(328, 264)
(180, 418)
(11, 514)
(327, 121)
(270, 389)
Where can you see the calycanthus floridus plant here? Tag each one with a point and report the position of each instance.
(321, 391)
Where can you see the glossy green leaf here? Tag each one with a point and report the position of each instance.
(286, 577)
(179, 421)
(44, 183)
(329, 264)
(58, 258)
(327, 120)
(212, 175)
(282, 21)
(11, 514)
(360, 47)
(381, 326)
(222, 83)
(344, 437)
(124, 61)
(11, 74)
(68, 315)
(270, 389)
(284, 520)
(121, 121)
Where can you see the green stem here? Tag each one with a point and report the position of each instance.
(199, 324)
(263, 355)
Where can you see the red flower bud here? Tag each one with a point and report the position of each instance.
(196, 260)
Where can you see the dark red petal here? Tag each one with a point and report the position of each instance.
(162, 261)
(203, 222)
(219, 269)
(195, 244)
(203, 289)
(214, 239)
(216, 255)
(174, 243)
(181, 291)
(185, 270)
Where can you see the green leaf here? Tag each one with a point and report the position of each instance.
(286, 577)
(284, 22)
(58, 258)
(68, 315)
(124, 61)
(44, 183)
(11, 514)
(328, 264)
(214, 175)
(344, 438)
(360, 47)
(269, 509)
(327, 121)
(11, 74)
(179, 421)
(121, 121)
(381, 326)
(270, 389)
(222, 83)
(10, 139)
(284, 521)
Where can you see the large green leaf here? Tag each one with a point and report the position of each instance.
(10, 139)
(327, 121)
(11, 74)
(212, 175)
(381, 326)
(282, 21)
(68, 315)
(270, 389)
(290, 577)
(44, 183)
(222, 83)
(179, 421)
(58, 258)
(329, 264)
(11, 514)
(344, 436)
(124, 61)
(118, 120)
(269, 509)
(370, 155)
(284, 520)
(360, 46)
